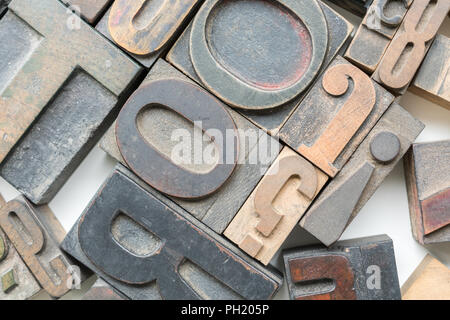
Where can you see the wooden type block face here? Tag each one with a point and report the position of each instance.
(212, 191)
(432, 81)
(357, 7)
(275, 206)
(262, 71)
(144, 28)
(430, 281)
(66, 82)
(407, 50)
(348, 192)
(89, 10)
(376, 32)
(170, 255)
(335, 117)
(358, 269)
(102, 291)
(428, 184)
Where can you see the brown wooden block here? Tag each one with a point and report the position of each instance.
(342, 199)
(275, 206)
(376, 32)
(102, 291)
(90, 10)
(357, 269)
(186, 182)
(263, 72)
(430, 281)
(145, 29)
(59, 89)
(428, 183)
(336, 116)
(357, 7)
(432, 80)
(407, 50)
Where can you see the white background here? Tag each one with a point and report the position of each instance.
(386, 213)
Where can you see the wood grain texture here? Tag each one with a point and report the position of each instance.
(357, 269)
(279, 200)
(335, 117)
(432, 81)
(407, 50)
(342, 199)
(90, 10)
(218, 209)
(428, 184)
(271, 120)
(430, 281)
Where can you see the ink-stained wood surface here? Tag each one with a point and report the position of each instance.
(357, 269)
(256, 153)
(342, 199)
(376, 32)
(275, 206)
(66, 82)
(336, 116)
(102, 291)
(265, 45)
(90, 10)
(407, 50)
(169, 255)
(145, 29)
(427, 173)
(433, 80)
(430, 281)
(357, 7)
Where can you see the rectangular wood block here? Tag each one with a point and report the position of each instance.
(33, 235)
(156, 250)
(257, 152)
(90, 10)
(336, 116)
(427, 172)
(59, 88)
(375, 33)
(342, 199)
(432, 80)
(275, 206)
(357, 7)
(146, 29)
(410, 45)
(430, 281)
(357, 269)
(252, 74)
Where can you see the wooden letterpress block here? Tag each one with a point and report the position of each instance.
(376, 32)
(102, 291)
(275, 206)
(427, 171)
(213, 198)
(342, 199)
(430, 281)
(336, 116)
(35, 241)
(432, 81)
(90, 10)
(357, 269)
(407, 50)
(156, 250)
(64, 83)
(260, 56)
(144, 29)
(357, 7)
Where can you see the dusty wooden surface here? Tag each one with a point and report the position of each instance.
(102, 291)
(90, 10)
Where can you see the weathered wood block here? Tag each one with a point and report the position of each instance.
(427, 172)
(156, 250)
(342, 199)
(376, 32)
(357, 7)
(59, 89)
(260, 56)
(407, 50)
(432, 81)
(430, 281)
(102, 291)
(336, 116)
(145, 29)
(212, 191)
(33, 235)
(89, 10)
(357, 269)
(275, 206)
